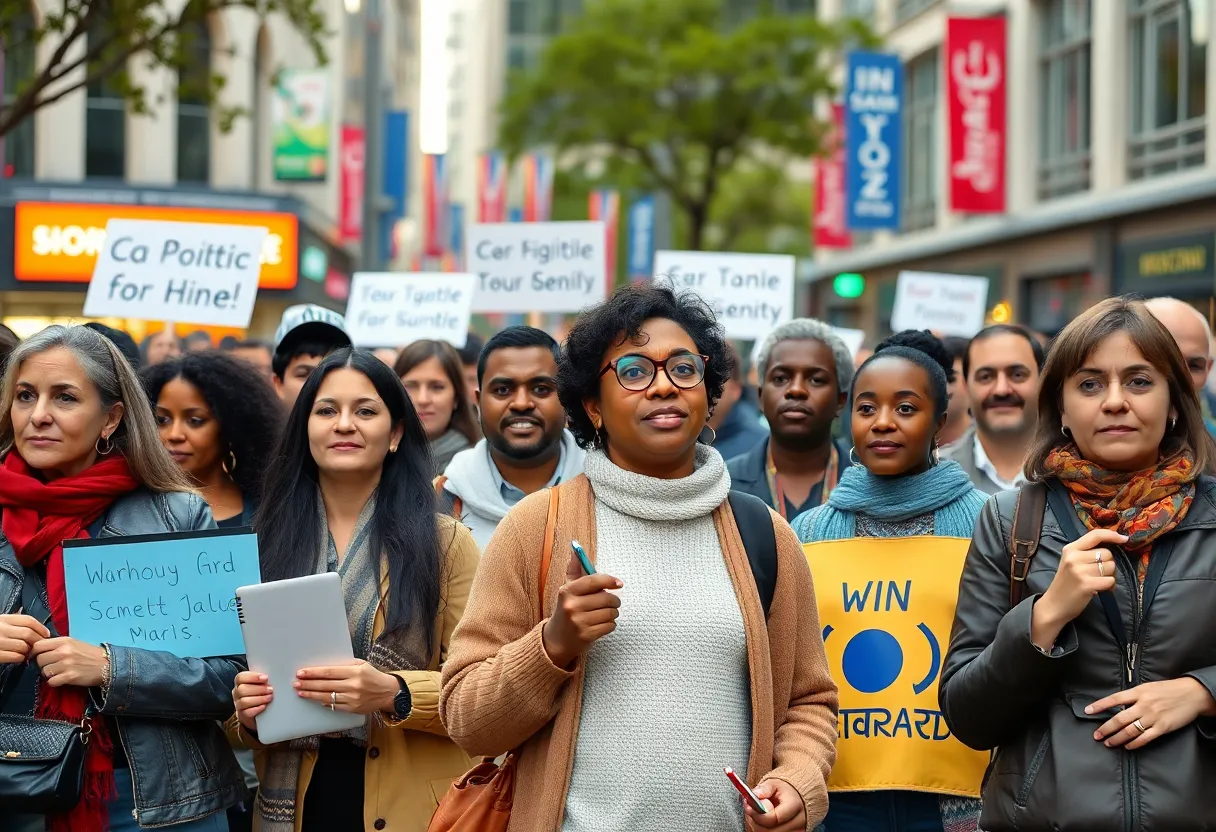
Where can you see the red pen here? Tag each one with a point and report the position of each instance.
(745, 790)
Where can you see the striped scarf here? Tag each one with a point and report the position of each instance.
(360, 570)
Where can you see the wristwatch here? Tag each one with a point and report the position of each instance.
(403, 703)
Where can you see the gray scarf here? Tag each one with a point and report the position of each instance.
(446, 447)
(360, 572)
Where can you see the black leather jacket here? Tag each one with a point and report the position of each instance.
(998, 691)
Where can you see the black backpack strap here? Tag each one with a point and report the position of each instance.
(755, 523)
(1024, 537)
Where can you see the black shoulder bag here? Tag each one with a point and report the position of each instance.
(41, 760)
(755, 524)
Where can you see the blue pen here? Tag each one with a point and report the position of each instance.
(582, 557)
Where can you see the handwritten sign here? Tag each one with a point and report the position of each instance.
(392, 309)
(537, 266)
(191, 272)
(171, 592)
(751, 293)
(948, 304)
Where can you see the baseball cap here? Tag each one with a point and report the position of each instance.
(307, 321)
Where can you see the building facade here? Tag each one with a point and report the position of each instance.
(1110, 161)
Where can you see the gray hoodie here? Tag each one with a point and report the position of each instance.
(473, 478)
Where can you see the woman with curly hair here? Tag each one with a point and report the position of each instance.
(592, 700)
(220, 421)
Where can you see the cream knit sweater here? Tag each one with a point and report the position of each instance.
(666, 699)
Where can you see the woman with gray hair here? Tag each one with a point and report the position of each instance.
(80, 457)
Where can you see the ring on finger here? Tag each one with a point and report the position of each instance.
(1101, 572)
(1139, 726)
(333, 700)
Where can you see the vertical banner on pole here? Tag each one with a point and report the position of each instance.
(456, 216)
(975, 61)
(492, 187)
(873, 127)
(350, 199)
(830, 229)
(396, 179)
(434, 205)
(538, 187)
(639, 245)
(605, 205)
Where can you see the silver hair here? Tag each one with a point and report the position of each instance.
(136, 437)
(1161, 300)
(809, 329)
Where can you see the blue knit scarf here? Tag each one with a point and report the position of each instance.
(944, 489)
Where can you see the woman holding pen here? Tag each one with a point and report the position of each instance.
(351, 487)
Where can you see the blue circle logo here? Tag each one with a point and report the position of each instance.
(872, 661)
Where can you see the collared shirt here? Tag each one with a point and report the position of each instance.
(512, 495)
(984, 465)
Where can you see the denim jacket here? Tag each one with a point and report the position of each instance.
(167, 710)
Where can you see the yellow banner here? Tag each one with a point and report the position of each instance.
(887, 606)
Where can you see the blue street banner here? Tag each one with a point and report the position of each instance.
(873, 130)
(171, 592)
(640, 241)
(396, 178)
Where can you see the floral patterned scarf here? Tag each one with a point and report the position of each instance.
(1143, 505)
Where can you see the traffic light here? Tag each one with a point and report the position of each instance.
(849, 285)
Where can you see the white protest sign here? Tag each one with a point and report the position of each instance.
(950, 304)
(537, 266)
(192, 272)
(392, 309)
(750, 293)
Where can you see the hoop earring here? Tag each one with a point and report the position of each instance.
(1173, 423)
(109, 449)
(707, 436)
(1067, 433)
(852, 456)
(229, 465)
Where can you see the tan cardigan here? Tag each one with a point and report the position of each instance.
(501, 691)
(410, 763)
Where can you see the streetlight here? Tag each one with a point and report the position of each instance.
(373, 127)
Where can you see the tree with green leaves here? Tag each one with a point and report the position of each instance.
(75, 44)
(681, 90)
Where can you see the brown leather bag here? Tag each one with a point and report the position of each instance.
(481, 800)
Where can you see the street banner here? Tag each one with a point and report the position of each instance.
(492, 187)
(300, 119)
(639, 246)
(396, 184)
(975, 61)
(886, 607)
(537, 267)
(189, 272)
(392, 309)
(350, 196)
(456, 223)
(831, 229)
(948, 304)
(434, 205)
(538, 186)
(873, 139)
(605, 205)
(750, 293)
(174, 592)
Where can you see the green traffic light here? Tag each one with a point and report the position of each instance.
(849, 285)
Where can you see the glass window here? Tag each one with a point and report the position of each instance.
(905, 9)
(517, 17)
(862, 9)
(193, 111)
(19, 68)
(105, 127)
(1064, 100)
(1168, 80)
(920, 142)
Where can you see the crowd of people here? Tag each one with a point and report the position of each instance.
(457, 492)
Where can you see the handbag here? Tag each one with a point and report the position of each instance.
(481, 800)
(41, 760)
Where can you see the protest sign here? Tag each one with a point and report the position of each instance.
(191, 272)
(873, 140)
(887, 607)
(750, 293)
(172, 592)
(537, 266)
(948, 304)
(392, 309)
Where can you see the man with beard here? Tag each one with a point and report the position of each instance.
(1001, 366)
(525, 446)
(805, 370)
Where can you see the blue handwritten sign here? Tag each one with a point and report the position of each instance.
(171, 592)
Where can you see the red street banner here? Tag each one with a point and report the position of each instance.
(605, 205)
(350, 200)
(975, 74)
(830, 228)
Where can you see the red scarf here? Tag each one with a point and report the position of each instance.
(37, 517)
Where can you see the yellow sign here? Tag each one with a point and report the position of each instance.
(1173, 261)
(887, 606)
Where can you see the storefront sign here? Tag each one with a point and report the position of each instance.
(872, 134)
(831, 230)
(350, 194)
(537, 266)
(58, 242)
(975, 60)
(948, 304)
(751, 293)
(300, 118)
(392, 309)
(196, 273)
(1180, 265)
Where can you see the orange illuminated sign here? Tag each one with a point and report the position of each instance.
(58, 242)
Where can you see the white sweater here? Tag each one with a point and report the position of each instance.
(666, 699)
